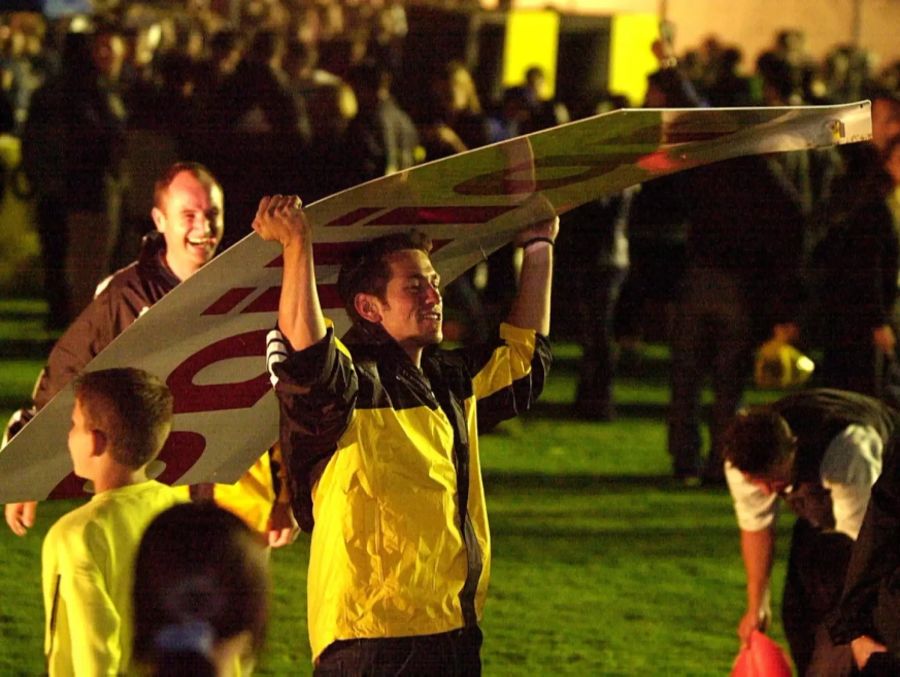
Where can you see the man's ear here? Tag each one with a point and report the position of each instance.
(159, 219)
(368, 307)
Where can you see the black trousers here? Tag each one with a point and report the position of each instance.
(448, 654)
(817, 565)
(712, 335)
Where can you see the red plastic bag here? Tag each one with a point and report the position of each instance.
(761, 658)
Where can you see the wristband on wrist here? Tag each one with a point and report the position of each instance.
(535, 240)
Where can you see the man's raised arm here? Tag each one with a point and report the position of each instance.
(281, 218)
(531, 307)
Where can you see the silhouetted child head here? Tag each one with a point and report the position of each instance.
(126, 413)
(200, 593)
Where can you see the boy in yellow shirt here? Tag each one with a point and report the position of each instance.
(120, 421)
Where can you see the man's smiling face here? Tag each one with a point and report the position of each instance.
(412, 311)
(191, 220)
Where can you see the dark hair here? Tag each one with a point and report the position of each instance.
(890, 147)
(195, 169)
(201, 577)
(779, 74)
(131, 407)
(264, 45)
(368, 75)
(876, 92)
(367, 271)
(224, 41)
(757, 440)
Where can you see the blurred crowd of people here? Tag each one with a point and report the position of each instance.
(307, 96)
(293, 96)
(797, 248)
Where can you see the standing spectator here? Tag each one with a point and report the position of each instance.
(857, 261)
(382, 138)
(255, 141)
(454, 121)
(72, 152)
(741, 284)
(254, 99)
(542, 112)
(730, 88)
(860, 255)
(225, 51)
(600, 267)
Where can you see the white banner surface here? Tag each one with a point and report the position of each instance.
(206, 338)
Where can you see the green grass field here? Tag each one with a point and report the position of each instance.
(602, 564)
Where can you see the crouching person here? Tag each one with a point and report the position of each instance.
(820, 451)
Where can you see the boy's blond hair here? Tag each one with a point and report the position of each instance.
(131, 407)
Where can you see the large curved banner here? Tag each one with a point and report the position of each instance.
(207, 337)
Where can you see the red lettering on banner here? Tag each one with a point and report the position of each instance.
(329, 297)
(421, 216)
(267, 302)
(180, 452)
(228, 301)
(504, 181)
(355, 216)
(335, 253)
(673, 135)
(191, 397)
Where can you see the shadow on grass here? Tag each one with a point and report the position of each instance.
(10, 402)
(572, 519)
(647, 368)
(586, 484)
(565, 411)
(28, 349)
(537, 541)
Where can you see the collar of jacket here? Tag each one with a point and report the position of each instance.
(369, 340)
(364, 334)
(152, 258)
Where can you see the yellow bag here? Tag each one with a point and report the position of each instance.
(781, 365)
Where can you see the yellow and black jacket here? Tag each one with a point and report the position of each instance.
(382, 458)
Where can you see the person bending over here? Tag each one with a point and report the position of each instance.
(820, 451)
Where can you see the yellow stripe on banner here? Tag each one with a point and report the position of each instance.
(631, 58)
(531, 40)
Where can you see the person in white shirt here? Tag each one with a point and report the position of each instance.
(820, 451)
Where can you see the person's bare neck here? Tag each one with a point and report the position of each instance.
(118, 476)
(415, 356)
(181, 272)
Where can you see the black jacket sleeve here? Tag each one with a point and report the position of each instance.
(317, 390)
(876, 556)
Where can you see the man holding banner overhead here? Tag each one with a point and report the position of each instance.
(380, 436)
